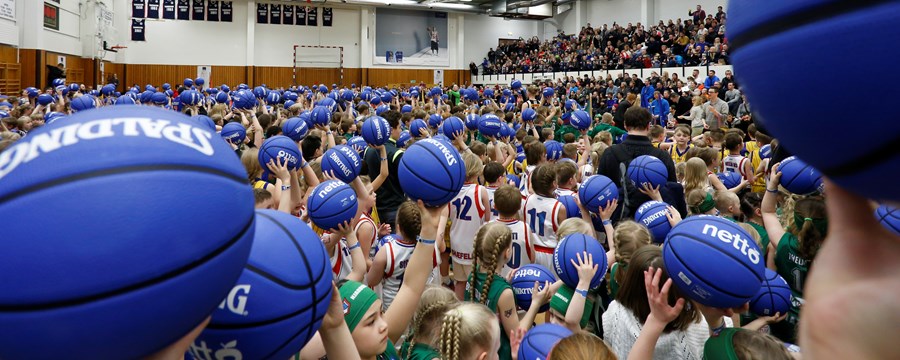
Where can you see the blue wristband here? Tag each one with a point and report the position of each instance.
(607, 222)
(582, 292)
(426, 242)
(355, 246)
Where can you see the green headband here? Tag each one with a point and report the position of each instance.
(560, 303)
(356, 299)
(707, 204)
(721, 347)
(819, 224)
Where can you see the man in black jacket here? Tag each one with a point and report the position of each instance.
(55, 72)
(637, 123)
(390, 195)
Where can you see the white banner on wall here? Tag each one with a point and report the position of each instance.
(8, 9)
(203, 72)
(438, 76)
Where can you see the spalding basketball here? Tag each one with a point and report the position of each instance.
(652, 215)
(358, 144)
(103, 283)
(596, 190)
(295, 128)
(581, 120)
(234, 133)
(343, 161)
(889, 217)
(730, 179)
(528, 115)
(713, 261)
(798, 177)
(451, 126)
(523, 280)
(572, 210)
(281, 149)
(646, 169)
(320, 115)
(278, 302)
(416, 126)
(554, 149)
(431, 170)
(376, 130)
(331, 203)
(472, 121)
(773, 297)
(489, 126)
(568, 249)
(540, 340)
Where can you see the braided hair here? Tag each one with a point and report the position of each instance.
(491, 239)
(466, 330)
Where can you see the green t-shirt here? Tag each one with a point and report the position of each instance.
(793, 268)
(566, 129)
(498, 285)
(613, 284)
(422, 351)
(390, 353)
(453, 96)
(763, 235)
(614, 131)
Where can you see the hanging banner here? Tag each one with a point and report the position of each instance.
(275, 14)
(137, 30)
(225, 11)
(153, 9)
(301, 15)
(311, 19)
(184, 9)
(212, 10)
(287, 15)
(138, 7)
(168, 9)
(262, 13)
(327, 14)
(199, 10)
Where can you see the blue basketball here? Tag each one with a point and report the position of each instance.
(489, 93)
(278, 302)
(381, 109)
(320, 115)
(515, 84)
(580, 119)
(122, 100)
(406, 108)
(58, 82)
(45, 99)
(205, 120)
(343, 161)
(260, 92)
(515, 179)
(331, 203)
(222, 98)
(243, 99)
(451, 126)
(763, 31)
(489, 126)
(646, 169)
(554, 149)
(84, 102)
(571, 104)
(652, 215)
(472, 121)
(347, 95)
(506, 132)
(273, 98)
(435, 120)
(522, 284)
(730, 179)
(774, 296)
(798, 177)
(280, 148)
(376, 130)
(540, 340)
(713, 261)
(572, 210)
(190, 97)
(568, 249)
(95, 295)
(323, 89)
(528, 115)
(403, 139)
(106, 90)
(765, 152)
(199, 81)
(358, 144)
(596, 190)
(549, 92)
(225, 88)
(52, 116)
(159, 98)
(74, 88)
(889, 217)
(431, 170)
(295, 128)
(386, 97)
(234, 133)
(243, 86)
(416, 126)
(188, 82)
(290, 95)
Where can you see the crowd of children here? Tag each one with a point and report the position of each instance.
(420, 282)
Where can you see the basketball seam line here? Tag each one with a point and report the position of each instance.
(118, 171)
(140, 285)
(306, 264)
(799, 18)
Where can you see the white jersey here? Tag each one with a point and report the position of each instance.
(526, 177)
(587, 170)
(466, 216)
(540, 215)
(365, 219)
(522, 241)
(490, 192)
(562, 192)
(397, 255)
(341, 263)
(735, 164)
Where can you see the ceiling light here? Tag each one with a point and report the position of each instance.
(452, 6)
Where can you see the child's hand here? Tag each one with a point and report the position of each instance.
(778, 317)
(586, 269)
(334, 317)
(280, 170)
(515, 340)
(658, 299)
(673, 215)
(540, 296)
(606, 212)
(384, 229)
(328, 175)
(652, 192)
(775, 175)
(347, 229)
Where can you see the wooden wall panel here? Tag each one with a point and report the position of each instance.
(8, 54)
(142, 74)
(10, 71)
(273, 77)
(110, 68)
(32, 68)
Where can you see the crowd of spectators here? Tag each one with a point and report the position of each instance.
(697, 41)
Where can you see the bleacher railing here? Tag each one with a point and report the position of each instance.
(529, 78)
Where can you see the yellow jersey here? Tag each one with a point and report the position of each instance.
(678, 156)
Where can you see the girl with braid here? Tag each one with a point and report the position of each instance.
(493, 247)
(423, 339)
(467, 332)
